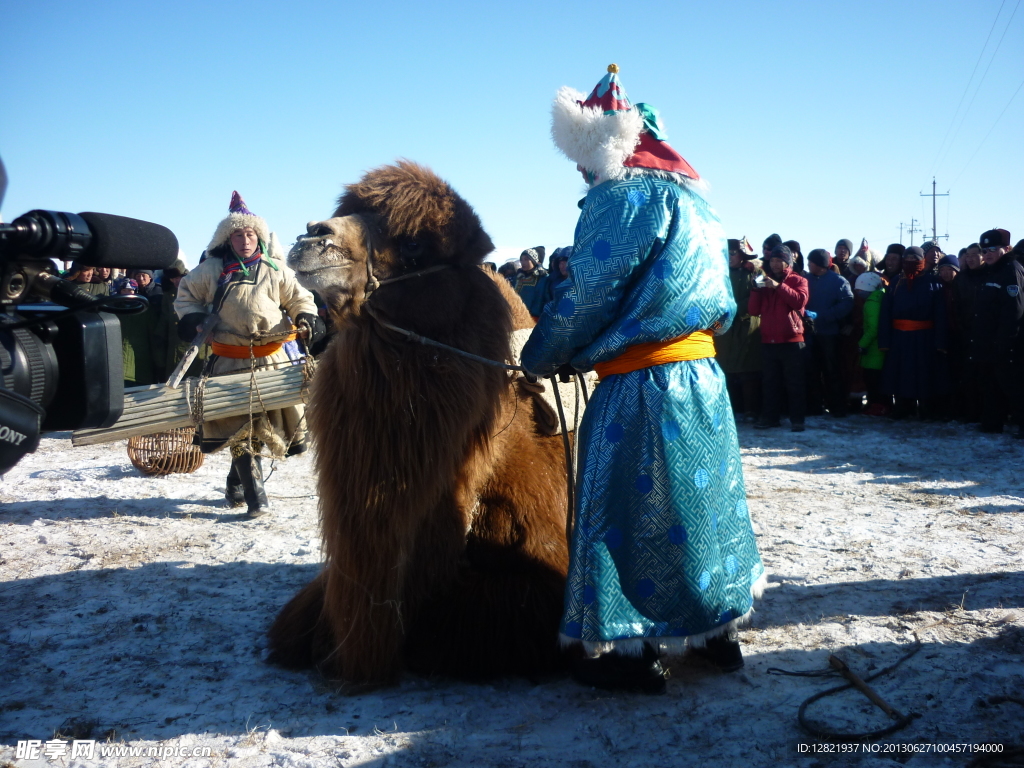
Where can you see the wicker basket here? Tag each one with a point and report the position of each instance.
(164, 453)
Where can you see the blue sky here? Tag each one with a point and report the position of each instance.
(816, 120)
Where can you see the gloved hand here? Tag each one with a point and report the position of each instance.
(317, 329)
(565, 373)
(749, 266)
(188, 326)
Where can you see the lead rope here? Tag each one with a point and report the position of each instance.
(570, 464)
(571, 450)
(570, 480)
(431, 343)
(902, 721)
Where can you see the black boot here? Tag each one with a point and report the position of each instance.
(617, 671)
(234, 492)
(723, 653)
(250, 474)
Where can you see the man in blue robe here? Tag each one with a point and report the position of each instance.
(663, 554)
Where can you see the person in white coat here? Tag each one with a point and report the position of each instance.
(261, 307)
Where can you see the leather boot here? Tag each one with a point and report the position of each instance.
(723, 653)
(234, 492)
(618, 671)
(250, 474)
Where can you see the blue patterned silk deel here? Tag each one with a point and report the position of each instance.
(663, 546)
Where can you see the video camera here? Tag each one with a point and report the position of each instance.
(60, 347)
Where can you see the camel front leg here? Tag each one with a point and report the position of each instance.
(364, 603)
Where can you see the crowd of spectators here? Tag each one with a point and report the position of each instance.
(909, 333)
(912, 333)
(534, 284)
(149, 340)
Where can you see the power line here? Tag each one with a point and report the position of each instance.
(990, 131)
(967, 87)
(967, 111)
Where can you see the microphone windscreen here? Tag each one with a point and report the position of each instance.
(118, 241)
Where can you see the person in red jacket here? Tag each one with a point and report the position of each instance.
(779, 301)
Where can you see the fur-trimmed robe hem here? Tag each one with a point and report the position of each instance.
(671, 646)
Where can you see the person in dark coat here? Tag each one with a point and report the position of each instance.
(831, 301)
(168, 348)
(1018, 252)
(738, 351)
(798, 257)
(149, 286)
(892, 264)
(768, 246)
(559, 271)
(948, 269)
(136, 339)
(995, 343)
(912, 330)
(103, 276)
(965, 289)
(529, 278)
(932, 256)
(840, 262)
(779, 300)
(508, 271)
(82, 276)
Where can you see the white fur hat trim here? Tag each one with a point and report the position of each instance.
(595, 141)
(239, 221)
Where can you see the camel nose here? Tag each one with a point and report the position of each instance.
(323, 228)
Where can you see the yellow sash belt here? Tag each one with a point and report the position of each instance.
(242, 353)
(692, 346)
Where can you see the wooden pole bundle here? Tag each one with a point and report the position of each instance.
(159, 408)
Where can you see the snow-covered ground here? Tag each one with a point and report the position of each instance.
(134, 612)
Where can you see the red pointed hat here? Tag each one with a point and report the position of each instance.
(609, 95)
(653, 150)
(606, 133)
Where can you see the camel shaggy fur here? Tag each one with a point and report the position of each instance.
(442, 508)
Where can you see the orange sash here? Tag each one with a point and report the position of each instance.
(242, 353)
(692, 346)
(912, 325)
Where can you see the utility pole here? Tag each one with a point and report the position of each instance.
(912, 229)
(935, 237)
(902, 225)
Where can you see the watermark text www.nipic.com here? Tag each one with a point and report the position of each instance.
(88, 749)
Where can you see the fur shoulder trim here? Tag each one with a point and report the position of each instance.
(699, 185)
(598, 142)
(235, 221)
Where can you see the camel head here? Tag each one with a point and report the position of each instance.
(396, 220)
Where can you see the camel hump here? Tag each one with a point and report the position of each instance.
(520, 314)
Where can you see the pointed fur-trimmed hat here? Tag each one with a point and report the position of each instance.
(239, 217)
(607, 135)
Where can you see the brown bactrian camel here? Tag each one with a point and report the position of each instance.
(442, 507)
